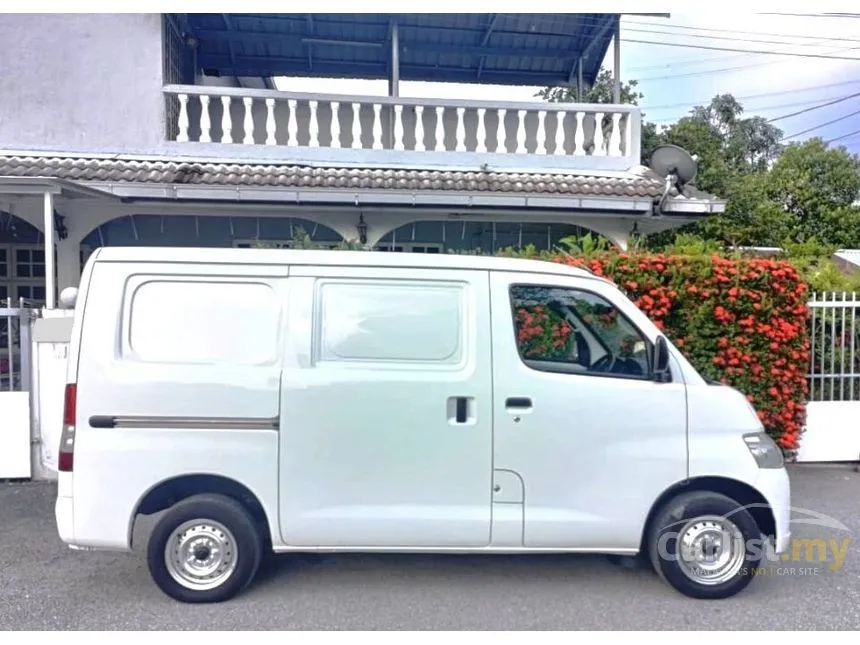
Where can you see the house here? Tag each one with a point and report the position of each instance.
(168, 129)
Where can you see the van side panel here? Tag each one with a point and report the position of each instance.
(387, 429)
(179, 374)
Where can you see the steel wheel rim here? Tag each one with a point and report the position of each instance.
(711, 550)
(201, 554)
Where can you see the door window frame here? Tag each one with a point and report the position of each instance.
(649, 344)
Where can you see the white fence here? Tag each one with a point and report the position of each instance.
(833, 412)
(15, 381)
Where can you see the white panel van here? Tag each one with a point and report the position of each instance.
(341, 401)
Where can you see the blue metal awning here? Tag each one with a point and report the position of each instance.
(508, 49)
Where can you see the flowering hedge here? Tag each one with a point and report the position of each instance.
(741, 322)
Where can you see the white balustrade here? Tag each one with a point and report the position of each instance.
(182, 121)
(461, 130)
(399, 124)
(314, 125)
(293, 124)
(419, 128)
(226, 120)
(271, 127)
(521, 133)
(249, 121)
(398, 128)
(335, 124)
(377, 126)
(205, 123)
(481, 134)
(440, 128)
(540, 145)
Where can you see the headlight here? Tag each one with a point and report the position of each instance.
(763, 449)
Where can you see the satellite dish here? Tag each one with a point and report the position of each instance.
(674, 162)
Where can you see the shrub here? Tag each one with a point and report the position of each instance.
(742, 322)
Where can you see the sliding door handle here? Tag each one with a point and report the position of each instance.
(518, 403)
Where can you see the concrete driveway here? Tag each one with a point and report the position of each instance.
(47, 586)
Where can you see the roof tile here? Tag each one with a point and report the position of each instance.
(641, 183)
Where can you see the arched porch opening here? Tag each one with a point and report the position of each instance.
(211, 231)
(22, 261)
(480, 237)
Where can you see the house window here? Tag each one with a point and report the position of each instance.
(22, 273)
(278, 244)
(410, 248)
(30, 292)
(29, 263)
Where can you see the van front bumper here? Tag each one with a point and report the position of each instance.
(775, 487)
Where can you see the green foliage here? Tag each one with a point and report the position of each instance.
(600, 92)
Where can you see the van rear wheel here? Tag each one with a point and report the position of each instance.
(705, 545)
(205, 549)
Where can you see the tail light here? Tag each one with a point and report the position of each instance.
(67, 438)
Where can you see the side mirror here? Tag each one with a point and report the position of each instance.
(660, 370)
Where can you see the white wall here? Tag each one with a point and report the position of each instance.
(832, 432)
(15, 435)
(50, 353)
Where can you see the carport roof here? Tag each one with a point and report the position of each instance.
(508, 49)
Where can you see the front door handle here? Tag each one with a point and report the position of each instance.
(519, 403)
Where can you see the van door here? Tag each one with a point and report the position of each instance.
(386, 408)
(577, 416)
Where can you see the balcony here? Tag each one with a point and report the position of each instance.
(384, 131)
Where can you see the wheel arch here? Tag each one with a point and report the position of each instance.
(168, 492)
(743, 493)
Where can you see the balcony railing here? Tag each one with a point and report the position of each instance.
(525, 134)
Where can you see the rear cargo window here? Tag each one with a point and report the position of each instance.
(391, 322)
(180, 321)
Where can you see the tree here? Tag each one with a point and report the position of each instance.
(600, 92)
(776, 195)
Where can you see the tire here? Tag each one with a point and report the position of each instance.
(707, 513)
(228, 544)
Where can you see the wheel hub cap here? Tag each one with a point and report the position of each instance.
(711, 550)
(200, 554)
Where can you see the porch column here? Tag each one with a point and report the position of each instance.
(580, 94)
(394, 81)
(68, 263)
(616, 88)
(50, 280)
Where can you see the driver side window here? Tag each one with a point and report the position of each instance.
(573, 331)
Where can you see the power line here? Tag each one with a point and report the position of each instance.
(815, 107)
(765, 94)
(821, 125)
(733, 31)
(844, 136)
(741, 51)
(706, 72)
(753, 111)
(748, 40)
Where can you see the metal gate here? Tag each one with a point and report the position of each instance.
(832, 431)
(15, 384)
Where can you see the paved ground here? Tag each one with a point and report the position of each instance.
(43, 585)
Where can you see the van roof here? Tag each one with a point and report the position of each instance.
(333, 258)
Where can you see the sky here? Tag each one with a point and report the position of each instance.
(675, 78)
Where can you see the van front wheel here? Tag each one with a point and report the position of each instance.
(705, 545)
(206, 548)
